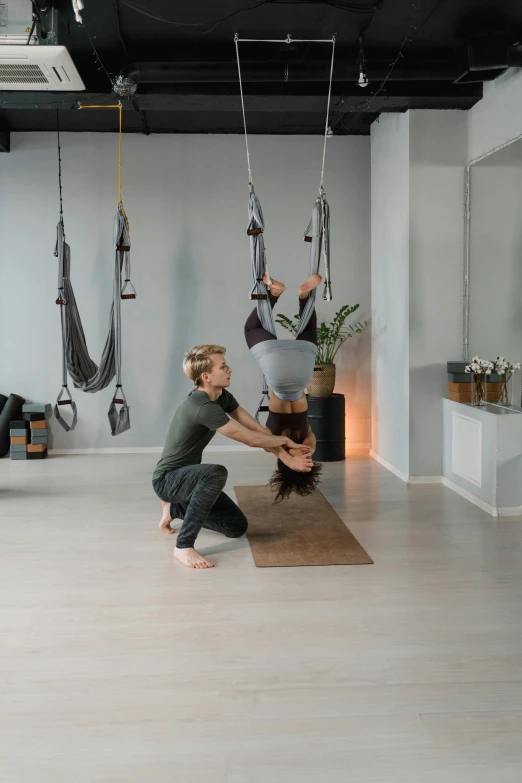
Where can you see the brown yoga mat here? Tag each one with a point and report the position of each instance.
(298, 532)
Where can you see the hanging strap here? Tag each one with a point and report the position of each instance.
(261, 408)
(119, 420)
(63, 273)
(255, 230)
(76, 360)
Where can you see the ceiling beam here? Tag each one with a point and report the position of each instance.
(263, 98)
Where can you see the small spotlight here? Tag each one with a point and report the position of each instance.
(363, 79)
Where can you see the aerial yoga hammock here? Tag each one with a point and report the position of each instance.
(85, 373)
(317, 234)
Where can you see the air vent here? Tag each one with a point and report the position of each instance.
(38, 68)
(22, 74)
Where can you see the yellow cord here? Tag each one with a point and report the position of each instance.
(120, 149)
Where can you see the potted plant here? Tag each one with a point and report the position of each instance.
(330, 337)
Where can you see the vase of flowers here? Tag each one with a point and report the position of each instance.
(481, 369)
(330, 337)
(506, 370)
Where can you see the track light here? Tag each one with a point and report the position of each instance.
(363, 80)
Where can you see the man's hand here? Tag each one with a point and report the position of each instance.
(289, 444)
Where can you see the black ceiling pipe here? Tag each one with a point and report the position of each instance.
(435, 69)
(222, 72)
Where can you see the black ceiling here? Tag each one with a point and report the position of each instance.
(411, 49)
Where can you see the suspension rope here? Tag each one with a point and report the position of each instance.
(327, 114)
(120, 141)
(287, 40)
(59, 163)
(250, 181)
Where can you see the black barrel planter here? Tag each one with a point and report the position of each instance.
(10, 411)
(326, 418)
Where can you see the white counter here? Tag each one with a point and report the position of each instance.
(483, 455)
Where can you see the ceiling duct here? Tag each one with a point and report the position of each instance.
(477, 61)
(482, 58)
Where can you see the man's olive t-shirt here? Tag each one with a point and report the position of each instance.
(192, 428)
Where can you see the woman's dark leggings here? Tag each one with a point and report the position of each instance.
(255, 333)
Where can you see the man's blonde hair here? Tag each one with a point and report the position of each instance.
(197, 361)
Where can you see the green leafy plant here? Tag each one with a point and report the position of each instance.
(331, 336)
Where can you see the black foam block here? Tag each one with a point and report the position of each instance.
(37, 454)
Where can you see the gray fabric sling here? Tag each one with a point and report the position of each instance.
(86, 375)
(259, 291)
(318, 233)
(287, 366)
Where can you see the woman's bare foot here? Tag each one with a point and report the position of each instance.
(276, 288)
(166, 519)
(309, 285)
(191, 558)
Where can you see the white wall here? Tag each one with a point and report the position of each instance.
(390, 229)
(496, 257)
(186, 197)
(438, 152)
(498, 116)
(418, 161)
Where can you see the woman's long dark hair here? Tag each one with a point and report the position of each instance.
(284, 481)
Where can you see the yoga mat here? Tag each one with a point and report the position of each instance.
(3, 400)
(9, 413)
(298, 532)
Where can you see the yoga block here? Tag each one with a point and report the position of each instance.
(467, 377)
(37, 454)
(458, 367)
(34, 416)
(38, 425)
(20, 424)
(33, 407)
(18, 433)
(19, 441)
(39, 434)
(467, 397)
(35, 448)
(18, 448)
(38, 441)
(19, 455)
(465, 388)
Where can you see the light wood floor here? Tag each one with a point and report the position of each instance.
(118, 665)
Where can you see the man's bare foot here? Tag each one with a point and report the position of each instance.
(309, 285)
(166, 519)
(191, 558)
(276, 288)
